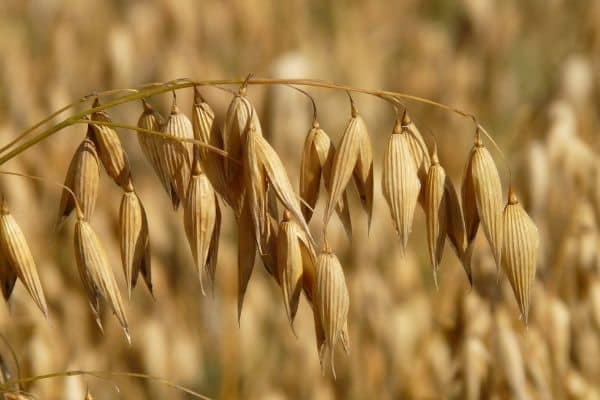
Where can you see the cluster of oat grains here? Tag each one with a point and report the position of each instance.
(202, 165)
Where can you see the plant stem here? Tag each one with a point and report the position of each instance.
(159, 88)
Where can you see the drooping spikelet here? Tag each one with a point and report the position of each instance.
(110, 149)
(436, 212)
(263, 163)
(201, 216)
(152, 145)
(292, 249)
(96, 273)
(317, 159)
(203, 117)
(400, 182)
(488, 196)
(207, 130)
(331, 302)
(418, 148)
(17, 256)
(134, 239)
(316, 153)
(520, 248)
(239, 113)
(255, 184)
(482, 200)
(82, 178)
(456, 226)
(470, 213)
(353, 158)
(176, 155)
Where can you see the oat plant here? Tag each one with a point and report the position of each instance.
(208, 168)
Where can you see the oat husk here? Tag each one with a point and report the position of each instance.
(418, 148)
(110, 150)
(317, 159)
(488, 196)
(200, 219)
(176, 155)
(134, 240)
(82, 178)
(237, 122)
(436, 212)
(400, 182)
(456, 231)
(152, 145)
(520, 248)
(263, 165)
(17, 256)
(294, 254)
(332, 302)
(352, 159)
(96, 274)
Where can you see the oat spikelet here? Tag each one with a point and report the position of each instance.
(363, 174)
(353, 158)
(255, 184)
(316, 153)
(436, 212)
(110, 149)
(207, 130)
(292, 249)
(470, 213)
(270, 164)
(152, 145)
(456, 226)
(418, 148)
(134, 239)
(176, 154)
(400, 182)
(520, 248)
(488, 196)
(246, 254)
(331, 301)
(200, 219)
(237, 119)
(82, 178)
(317, 158)
(18, 257)
(203, 117)
(96, 273)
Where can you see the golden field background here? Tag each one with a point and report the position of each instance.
(529, 70)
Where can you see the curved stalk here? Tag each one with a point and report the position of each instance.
(159, 88)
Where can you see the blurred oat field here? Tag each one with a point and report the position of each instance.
(530, 72)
